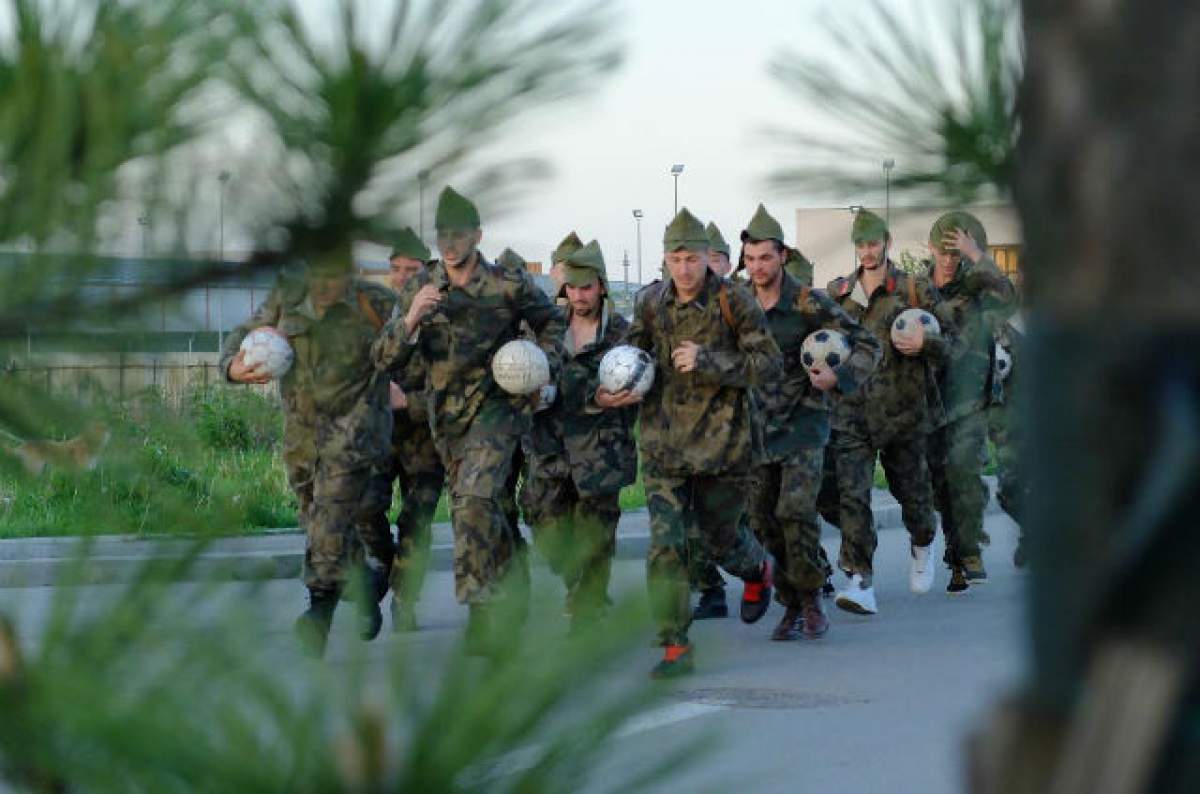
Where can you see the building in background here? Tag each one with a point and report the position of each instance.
(823, 235)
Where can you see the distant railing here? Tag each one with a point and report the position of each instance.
(120, 376)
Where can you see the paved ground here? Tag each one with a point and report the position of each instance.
(880, 705)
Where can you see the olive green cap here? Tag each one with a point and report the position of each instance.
(868, 226)
(762, 227)
(409, 246)
(957, 219)
(584, 266)
(337, 261)
(455, 211)
(570, 244)
(685, 231)
(511, 260)
(715, 241)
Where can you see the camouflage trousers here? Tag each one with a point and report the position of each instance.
(344, 518)
(477, 473)
(783, 513)
(703, 573)
(577, 535)
(907, 473)
(420, 489)
(716, 504)
(1006, 440)
(956, 454)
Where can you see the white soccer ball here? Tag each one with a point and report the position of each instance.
(825, 347)
(911, 317)
(1003, 364)
(626, 367)
(268, 350)
(520, 367)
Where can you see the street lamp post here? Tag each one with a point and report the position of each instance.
(637, 217)
(422, 177)
(625, 264)
(676, 170)
(223, 180)
(888, 165)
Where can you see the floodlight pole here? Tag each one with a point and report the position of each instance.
(637, 217)
(676, 170)
(888, 165)
(422, 177)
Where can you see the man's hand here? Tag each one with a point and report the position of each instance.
(397, 397)
(911, 340)
(962, 242)
(684, 357)
(822, 378)
(239, 372)
(425, 301)
(616, 399)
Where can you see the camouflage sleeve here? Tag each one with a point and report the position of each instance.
(865, 350)
(546, 319)
(757, 358)
(266, 314)
(987, 281)
(638, 334)
(946, 345)
(393, 348)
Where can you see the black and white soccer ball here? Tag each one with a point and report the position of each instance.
(626, 367)
(1003, 365)
(825, 347)
(909, 318)
(269, 351)
(520, 367)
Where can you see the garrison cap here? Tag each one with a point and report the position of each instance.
(584, 266)
(409, 246)
(957, 219)
(511, 260)
(568, 246)
(455, 211)
(868, 226)
(762, 227)
(716, 242)
(685, 231)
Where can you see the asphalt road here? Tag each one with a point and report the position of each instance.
(881, 704)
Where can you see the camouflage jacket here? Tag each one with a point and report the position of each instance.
(901, 397)
(576, 438)
(336, 406)
(1011, 336)
(975, 298)
(458, 339)
(789, 413)
(699, 422)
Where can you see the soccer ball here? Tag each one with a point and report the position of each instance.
(268, 350)
(626, 367)
(910, 317)
(520, 367)
(1003, 364)
(825, 348)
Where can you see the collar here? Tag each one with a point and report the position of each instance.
(307, 309)
(440, 278)
(890, 280)
(601, 332)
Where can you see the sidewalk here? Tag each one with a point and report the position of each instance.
(275, 554)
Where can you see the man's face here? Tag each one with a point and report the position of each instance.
(586, 301)
(945, 261)
(687, 269)
(401, 269)
(719, 263)
(871, 253)
(457, 245)
(324, 291)
(764, 263)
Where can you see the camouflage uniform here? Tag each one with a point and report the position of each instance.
(792, 429)
(337, 422)
(580, 457)
(476, 426)
(889, 417)
(1004, 429)
(695, 436)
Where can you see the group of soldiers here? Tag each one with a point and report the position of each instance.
(743, 442)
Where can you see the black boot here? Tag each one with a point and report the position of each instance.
(712, 604)
(370, 616)
(312, 627)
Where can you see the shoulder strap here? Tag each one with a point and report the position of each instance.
(726, 312)
(912, 293)
(364, 303)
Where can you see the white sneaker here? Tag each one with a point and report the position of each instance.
(857, 598)
(920, 575)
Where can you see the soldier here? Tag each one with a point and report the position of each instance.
(718, 251)
(710, 344)
(337, 422)
(582, 450)
(888, 416)
(570, 244)
(791, 417)
(416, 468)
(1004, 431)
(974, 292)
(456, 315)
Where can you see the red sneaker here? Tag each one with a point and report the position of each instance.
(756, 596)
(677, 661)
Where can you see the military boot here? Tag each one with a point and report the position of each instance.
(370, 616)
(312, 627)
(677, 661)
(404, 616)
(712, 604)
(974, 570)
(788, 627)
(958, 580)
(815, 624)
(756, 595)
